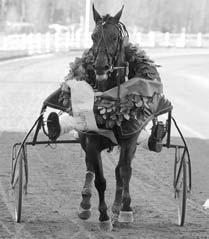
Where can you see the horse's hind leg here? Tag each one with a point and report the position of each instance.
(118, 195)
(100, 184)
(128, 150)
(126, 213)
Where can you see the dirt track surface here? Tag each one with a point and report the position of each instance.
(56, 175)
(56, 179)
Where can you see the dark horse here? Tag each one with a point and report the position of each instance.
(109, 68)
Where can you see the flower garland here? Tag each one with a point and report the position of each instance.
(109, 113)
(112, 112)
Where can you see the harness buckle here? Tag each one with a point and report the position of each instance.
(111, 68)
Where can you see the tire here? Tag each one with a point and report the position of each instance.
(181, 192)
(18, 184)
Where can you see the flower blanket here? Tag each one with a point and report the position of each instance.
(140, 97)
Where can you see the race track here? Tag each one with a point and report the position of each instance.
(56, 175)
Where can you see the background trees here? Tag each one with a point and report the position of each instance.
(158, 15)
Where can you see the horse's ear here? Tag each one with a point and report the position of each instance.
(118, 15)
(96, 15)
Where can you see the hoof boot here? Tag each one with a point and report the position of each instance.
(125, 216)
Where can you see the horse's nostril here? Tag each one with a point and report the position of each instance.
(106, 67)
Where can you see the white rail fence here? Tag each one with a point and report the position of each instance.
(61, 42)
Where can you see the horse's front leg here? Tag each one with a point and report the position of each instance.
(85, 205)
(92, 148)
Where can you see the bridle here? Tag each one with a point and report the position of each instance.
(122, 34)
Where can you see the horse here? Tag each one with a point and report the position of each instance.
(109, 67)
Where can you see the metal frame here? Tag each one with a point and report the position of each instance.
(39, 123)
(177, 147)
(23, 145)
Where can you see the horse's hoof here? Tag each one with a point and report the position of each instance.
(84, 214)
(106, 226)
(126, 216)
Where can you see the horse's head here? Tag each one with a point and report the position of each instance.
(108, 49)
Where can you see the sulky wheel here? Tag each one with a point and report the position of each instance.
(181, 184)
(19, 170)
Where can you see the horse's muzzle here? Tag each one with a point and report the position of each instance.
(102, 72)
(102, 77)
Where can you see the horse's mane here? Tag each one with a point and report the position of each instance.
(140, 64)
